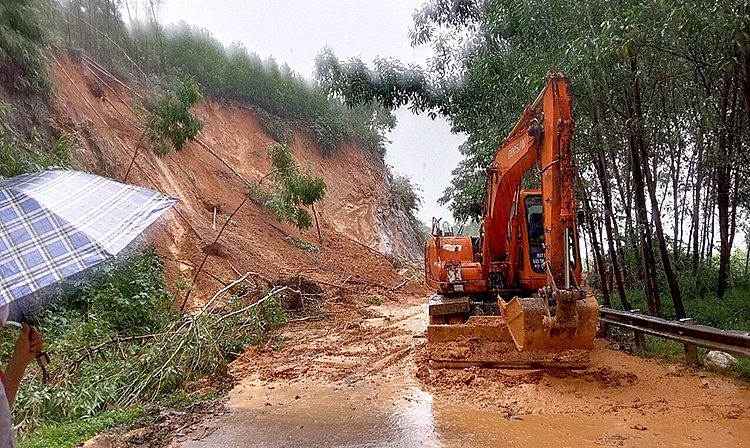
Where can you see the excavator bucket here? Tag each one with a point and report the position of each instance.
(525, 335)
(533, 329)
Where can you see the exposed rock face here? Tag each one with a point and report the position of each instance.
(396, 233)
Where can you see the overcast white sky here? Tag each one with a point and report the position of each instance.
(294, 31)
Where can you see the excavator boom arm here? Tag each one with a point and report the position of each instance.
(542, 135)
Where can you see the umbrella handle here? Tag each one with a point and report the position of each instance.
(42, 358)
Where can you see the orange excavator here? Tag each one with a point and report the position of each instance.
(527, 250)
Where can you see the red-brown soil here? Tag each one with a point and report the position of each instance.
(254, 241)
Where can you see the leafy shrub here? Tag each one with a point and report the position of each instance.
(404, 195)
(19, 155)
(275, 127)
(309, 247)
(23, 34)
(258, 195)
(170, 120)
(293, 190)
(117, 343)
(329, 132)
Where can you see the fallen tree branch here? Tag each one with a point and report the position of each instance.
(220, 292)
(400, 285)
(273, 292)
(375, 251)
(114, 341)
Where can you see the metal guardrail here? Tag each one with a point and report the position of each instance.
(692, 335)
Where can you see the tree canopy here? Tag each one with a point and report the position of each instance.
(661, 93)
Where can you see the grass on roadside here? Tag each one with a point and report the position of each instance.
(69, 435)
(674, 352)
(116, 344)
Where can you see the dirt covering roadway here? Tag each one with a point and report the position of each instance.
(360, 378)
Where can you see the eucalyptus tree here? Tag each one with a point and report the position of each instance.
(711, 39)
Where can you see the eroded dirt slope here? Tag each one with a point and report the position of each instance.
(205, 178)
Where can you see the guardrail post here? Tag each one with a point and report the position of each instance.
(640, 337)
(691, 351)
(691, 355)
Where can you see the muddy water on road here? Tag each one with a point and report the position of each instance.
(367, 385)
(367, 414)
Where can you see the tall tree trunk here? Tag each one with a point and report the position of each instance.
(613, 253)
(675, 192)
(593, 231)
(674, 288)
(724, 177)
(638, 120)
(697, 199)
(637, 145)
(604, 183)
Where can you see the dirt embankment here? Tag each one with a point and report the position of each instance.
(99, 110)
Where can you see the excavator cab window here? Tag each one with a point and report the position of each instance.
(535, 230)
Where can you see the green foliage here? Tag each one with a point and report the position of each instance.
(183, 283)
(116, 342)
(309, 247)
(72, 434)
(142, 49)
(729, 313)
(275, 127)
(23, 155)
(329, 131)
(293, 190)
(422, 229)
(170, 121)
(23, 34)
(283, 97)
(258, 194)
(373, 300)
(404, 195)
(674, 352)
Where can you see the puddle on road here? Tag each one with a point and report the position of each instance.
(367, 415)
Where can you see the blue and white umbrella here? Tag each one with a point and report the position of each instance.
(55, 224)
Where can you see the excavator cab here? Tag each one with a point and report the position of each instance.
(511, 296)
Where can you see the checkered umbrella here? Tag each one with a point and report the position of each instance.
(57, 223)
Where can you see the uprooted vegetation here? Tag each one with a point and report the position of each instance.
(117, 343)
